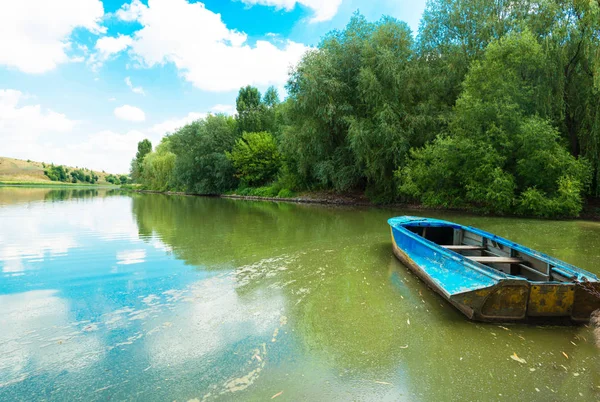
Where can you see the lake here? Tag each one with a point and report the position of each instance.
(106, 295)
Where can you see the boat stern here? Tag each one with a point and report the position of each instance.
(506, 301)
(520, 301)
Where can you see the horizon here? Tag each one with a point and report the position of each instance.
(84, 89)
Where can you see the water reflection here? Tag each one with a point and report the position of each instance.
(129, 257)
(38, 335)
(134, 296)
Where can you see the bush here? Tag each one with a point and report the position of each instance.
(267, 192)
(57, 173)
(285, 193)
(255, 158)
(113, 179)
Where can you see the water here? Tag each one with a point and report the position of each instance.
(107, 295)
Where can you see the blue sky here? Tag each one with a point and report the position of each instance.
(82, 81)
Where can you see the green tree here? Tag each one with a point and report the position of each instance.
(56, 173)
(503, 152)
(144, 148)
(354, 110)
(250, 110)
(159, 167)
(255, 158)
(271, 119)
(201, 165)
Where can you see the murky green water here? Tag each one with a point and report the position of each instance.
(110, 296)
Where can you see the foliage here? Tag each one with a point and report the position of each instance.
(256, 113)
(201, 165)
(137, 164)
(159, 166)
(255, 158)
(285, 193)
(111, 178)
(62, 174)
(493, 107)
(500, 145)
(354, 108)
(56, 173)
(266, 191)
(144, 148)
(272, 191)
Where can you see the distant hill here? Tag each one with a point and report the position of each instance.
(20, 171)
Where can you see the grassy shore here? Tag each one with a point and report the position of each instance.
(31, 173)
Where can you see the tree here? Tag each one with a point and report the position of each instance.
(271, 98)
(271, 119)
(503, 153)
(255, 158)
(250, 110)
(354, 110)
(144, 148)
(159, 167)
(57, 173)
(201, 165)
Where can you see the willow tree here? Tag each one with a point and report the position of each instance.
(571, 32)
(353, 106)
(455, 33)
(201, 165)
(159, 166)
(503, 153)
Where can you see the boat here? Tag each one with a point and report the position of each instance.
(489, 278)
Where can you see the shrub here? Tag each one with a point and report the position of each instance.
(285, 193)
(255, 158)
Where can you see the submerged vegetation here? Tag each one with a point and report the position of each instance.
(492, 107)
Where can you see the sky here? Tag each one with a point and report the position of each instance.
(82, 81)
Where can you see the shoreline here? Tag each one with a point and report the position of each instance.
(53, 184)
(331, 199)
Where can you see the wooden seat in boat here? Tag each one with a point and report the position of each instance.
(463, 247)
(496, 260)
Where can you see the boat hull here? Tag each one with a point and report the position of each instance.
(484, 295)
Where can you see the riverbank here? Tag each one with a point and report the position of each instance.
(53, 184)
(591, 209)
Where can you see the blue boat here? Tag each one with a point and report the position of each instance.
(490, 278)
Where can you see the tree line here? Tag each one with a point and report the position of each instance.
(65, 175)
(494, 106)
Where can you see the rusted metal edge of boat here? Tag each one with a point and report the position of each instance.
(489, 278)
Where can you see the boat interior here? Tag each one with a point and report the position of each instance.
(493, 254)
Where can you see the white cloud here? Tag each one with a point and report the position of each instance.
(107, 141)
(129, 257)
(207, 53)
(130, 113)
(215, 318)
(32, 242)
(131, 12)
(227, 109)
(112, 99)
(30, 119)
(29, 131)
(171, 125)
(35, 33)
(324, 9)
(38, 336)
(108, 46)
(137, 90)
(26, 129)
